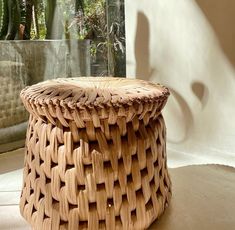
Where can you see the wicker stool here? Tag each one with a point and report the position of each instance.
(95, 154)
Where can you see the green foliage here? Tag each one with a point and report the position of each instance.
(58, 19)
(53, 19)
(79, 5)
(101, 21)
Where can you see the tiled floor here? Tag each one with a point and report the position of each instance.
(203, 197)
(10, 186)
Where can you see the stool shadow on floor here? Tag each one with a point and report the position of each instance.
(199, 194)
(11, 161)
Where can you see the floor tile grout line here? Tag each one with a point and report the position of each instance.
(8, 205)
(3, 191)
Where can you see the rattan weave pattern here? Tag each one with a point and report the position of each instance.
(95, 164)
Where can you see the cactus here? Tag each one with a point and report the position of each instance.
(3, 18)
(26, 17)
(10, 19)
(14, 19)
(50, 11)
(53, 21)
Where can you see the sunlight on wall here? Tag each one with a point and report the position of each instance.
(172, 42)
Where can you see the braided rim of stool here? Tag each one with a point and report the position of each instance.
(99, 93)
(95, 154)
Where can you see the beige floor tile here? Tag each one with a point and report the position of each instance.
(10, 219)
(11, 161)
(11, 181)
(9, 198)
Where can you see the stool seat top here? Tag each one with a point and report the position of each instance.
(90, 92)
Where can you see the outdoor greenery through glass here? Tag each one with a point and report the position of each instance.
(100, 21)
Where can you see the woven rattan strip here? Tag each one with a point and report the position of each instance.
(95, 154)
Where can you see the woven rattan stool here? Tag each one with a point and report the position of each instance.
(95, 154)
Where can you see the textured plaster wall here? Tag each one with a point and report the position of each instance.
(176, 43)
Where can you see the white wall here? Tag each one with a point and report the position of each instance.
(172, 42)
